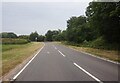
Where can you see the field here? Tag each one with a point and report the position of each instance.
(14, 54)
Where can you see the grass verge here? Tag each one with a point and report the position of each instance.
(12, 55)
(109, 54)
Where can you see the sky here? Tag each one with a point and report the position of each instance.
(23, 18)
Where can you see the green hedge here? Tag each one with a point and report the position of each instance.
(14, 41)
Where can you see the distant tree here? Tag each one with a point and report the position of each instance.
(41, 38)
(49, 35)
(23, 36)
(33, 36)
(8, 35)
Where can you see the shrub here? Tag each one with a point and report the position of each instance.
(14, 41)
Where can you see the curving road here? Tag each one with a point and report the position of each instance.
(59, 63)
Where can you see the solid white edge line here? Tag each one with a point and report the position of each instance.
(27, 63)
(96, 56)
(61, 53)
(88, 73)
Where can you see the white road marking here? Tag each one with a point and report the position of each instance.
(27, 64)
(54, 47)
(88, 73)
(96, 56)
(48, 52)
(61, 53)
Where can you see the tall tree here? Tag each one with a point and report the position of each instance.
(33, 36)
(49, 35)
(77, 30)
(8, 35)
(41, 38)
(104, 19)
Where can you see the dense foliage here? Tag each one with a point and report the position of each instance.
(100, 28)
(8, 35)
(14, 41)
(78, 30)
(55, 35)
(104, 19)
(33, 36)
(23, 37)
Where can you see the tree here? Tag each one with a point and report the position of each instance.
(33, 36)
(40, 38)
(23, 36)
(104, 19)
(53, 35)
(77, 29)
(8, 35)
(49, 35)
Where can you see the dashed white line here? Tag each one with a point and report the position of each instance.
(54, 47)
(61, 53)
(48, 52)
(105, 59)
(88, 73)
(27, 64)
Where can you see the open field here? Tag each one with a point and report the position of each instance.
(109, 54)
(12, 55)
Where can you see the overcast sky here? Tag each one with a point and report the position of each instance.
(27, 17)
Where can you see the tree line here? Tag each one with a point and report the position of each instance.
(99, 28)
(102, 20)
(101, 25)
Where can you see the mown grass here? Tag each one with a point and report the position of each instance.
(109, 54)
(12, 55)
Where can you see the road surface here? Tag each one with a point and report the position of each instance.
(59, 63)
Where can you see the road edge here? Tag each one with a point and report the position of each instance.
(105, 59)
(24, 67)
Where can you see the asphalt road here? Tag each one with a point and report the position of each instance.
(59, 63)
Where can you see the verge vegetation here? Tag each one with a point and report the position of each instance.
(108, 54)
(14, 54)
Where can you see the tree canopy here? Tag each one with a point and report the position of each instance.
(33, 36)
(8, 35)
(104, 18)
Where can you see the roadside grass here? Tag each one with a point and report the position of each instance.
(12, 55)
(108, 54)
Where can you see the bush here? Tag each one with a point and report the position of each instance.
(100, 43)
(14, 41)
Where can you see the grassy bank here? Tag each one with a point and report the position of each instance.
(109, 54)
(12, 55)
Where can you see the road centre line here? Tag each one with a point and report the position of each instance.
(54, 47)
(27, 63)
(88, 73)
(101, 58)
(61, 53)
(83, 70)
